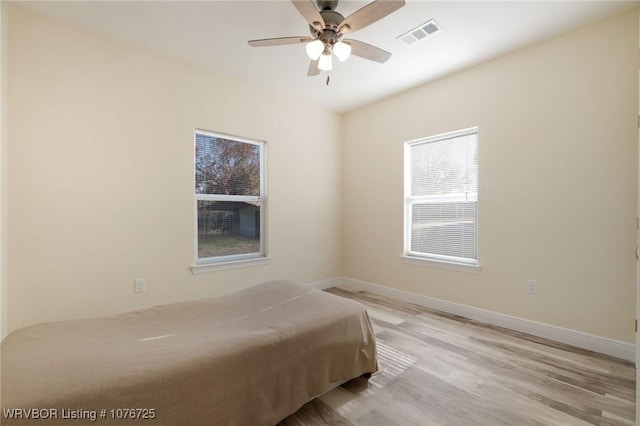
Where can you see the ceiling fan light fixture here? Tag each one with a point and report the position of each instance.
(315, 49)
(325, 63)
(342, 51)
(327, 27)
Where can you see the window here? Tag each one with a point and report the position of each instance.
(229, 197)
(441, 193)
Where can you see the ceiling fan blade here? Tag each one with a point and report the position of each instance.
(313, 68)
(369, 14)
(310, 13)
(279, 41)
(367, 51)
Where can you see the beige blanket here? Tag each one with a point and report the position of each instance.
(250, 358)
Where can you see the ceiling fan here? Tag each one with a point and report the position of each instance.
(328, 28)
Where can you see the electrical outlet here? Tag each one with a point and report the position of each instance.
(139, 285)
(532, 287)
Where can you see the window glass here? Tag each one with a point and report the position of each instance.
(229, 193)
(442, 197)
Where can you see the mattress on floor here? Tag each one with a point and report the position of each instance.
(249, 358)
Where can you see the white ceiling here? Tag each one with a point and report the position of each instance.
(215, 33)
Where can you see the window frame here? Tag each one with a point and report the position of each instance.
(434, 259)
(206, 264)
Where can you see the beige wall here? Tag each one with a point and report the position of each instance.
(558, 187)
(101, 177)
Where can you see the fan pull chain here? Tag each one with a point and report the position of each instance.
(328, 80)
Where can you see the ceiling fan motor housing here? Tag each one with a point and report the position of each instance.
(330, 33)
(332, 21)
(327, 4)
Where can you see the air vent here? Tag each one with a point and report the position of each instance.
(421, 31)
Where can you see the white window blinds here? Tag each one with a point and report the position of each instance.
(442, 196)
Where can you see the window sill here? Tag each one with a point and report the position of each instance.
(233, 264)
(451, 266)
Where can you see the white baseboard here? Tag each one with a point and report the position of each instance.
(616, 348)
(324, 284)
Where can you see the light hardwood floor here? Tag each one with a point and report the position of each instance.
(441, 369)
